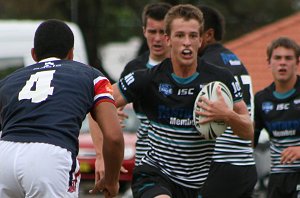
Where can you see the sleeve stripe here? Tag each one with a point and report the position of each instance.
(103, 95)
(103, 90)
(98, 79)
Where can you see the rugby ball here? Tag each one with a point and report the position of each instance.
(214, 129)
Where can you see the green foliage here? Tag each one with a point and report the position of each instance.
(119, 24)
(118, 20)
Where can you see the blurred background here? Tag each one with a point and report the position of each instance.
(115, 24)
(109, 34)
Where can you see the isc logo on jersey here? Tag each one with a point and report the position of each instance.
(283, 106)
(185, 91)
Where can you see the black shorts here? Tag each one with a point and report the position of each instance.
(149, 182)
(284, 185)
(229, 181)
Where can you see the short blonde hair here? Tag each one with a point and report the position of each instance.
(185, 11)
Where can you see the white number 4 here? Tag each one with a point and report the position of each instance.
(42, 81)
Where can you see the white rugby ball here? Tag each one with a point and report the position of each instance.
(214, 129)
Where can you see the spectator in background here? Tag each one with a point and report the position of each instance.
(233, 163)
(42, 107)
(277, 109)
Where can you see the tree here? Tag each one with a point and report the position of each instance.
(107, 21)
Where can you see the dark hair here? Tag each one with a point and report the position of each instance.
(156, 11)
(185, 11)
(213, 19)
(53, 38)
(283, 42)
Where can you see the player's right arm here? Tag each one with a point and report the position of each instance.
(105, 114)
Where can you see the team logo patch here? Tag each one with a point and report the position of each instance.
(267, 106)
(230, 59)
(165, 89)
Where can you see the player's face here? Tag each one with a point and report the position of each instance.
(184, 41)
(284, 64)
(156, 40)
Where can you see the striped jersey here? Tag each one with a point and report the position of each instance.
(176, 148)
(279, 115)
(47, 102)
(229, 147)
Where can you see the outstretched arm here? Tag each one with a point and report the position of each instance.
(105, 114)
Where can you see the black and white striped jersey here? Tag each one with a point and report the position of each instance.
(279, 115)
(176, 148)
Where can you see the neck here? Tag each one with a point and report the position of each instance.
(184, 71)
(282, 87)
(158, 58)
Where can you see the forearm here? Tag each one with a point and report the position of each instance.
(241, 125)
(113, 152)
(113, 141)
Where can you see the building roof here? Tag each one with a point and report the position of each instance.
(251, 48)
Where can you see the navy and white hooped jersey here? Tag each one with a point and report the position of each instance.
(229, 147)
(142, 143)
(279, 115)
(47, 102)
(177, 149)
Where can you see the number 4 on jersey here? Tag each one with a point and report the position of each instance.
(42, 82)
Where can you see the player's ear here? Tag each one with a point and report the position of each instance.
(200, 42)
(33, 55)
(168, 40)
(209, 35)
(70, 54)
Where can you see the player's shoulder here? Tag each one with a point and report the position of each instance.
(209, 67)
(265, 92)
(136, 64)
(164, 67)
(156, 73)
(220, 55)
(139, 62)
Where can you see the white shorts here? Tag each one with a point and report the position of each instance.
(37, 170)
